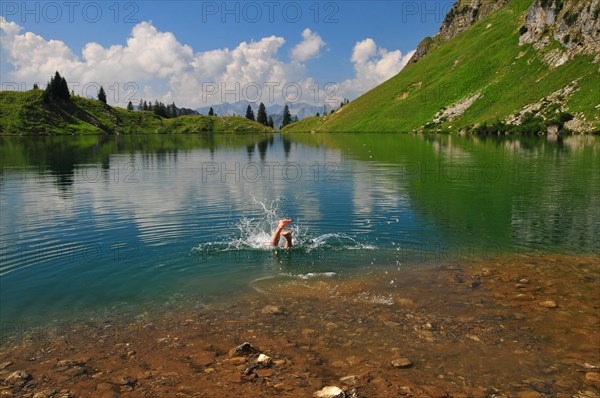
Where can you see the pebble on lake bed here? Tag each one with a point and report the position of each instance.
(402, 363)
(330, 392)
(264, 360)
(272, 309)
(549, 304)
(17, 378)
(350, 380)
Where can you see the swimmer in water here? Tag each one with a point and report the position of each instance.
(279, 232)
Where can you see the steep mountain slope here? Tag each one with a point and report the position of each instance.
(531, 65)
(27, 113)
(461, 17)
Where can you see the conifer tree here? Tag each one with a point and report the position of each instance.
(287, 117)
(63, 88)
(102, 95)
(261, 117)
(271, 122)
(211, 112)
(129, 106)
(250, 113)
(57, 88)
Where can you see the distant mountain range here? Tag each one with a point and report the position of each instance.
(300, 109)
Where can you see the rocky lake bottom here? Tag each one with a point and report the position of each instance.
(526, 326)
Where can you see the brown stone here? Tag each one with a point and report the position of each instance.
(75, 371)
(232, 377)
(237, 361)
(434, 392)
(529, 394)
(105, 387)
(264, 372)
(202, 359)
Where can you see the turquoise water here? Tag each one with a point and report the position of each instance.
(115, 224)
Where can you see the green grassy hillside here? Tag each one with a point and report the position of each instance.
(483, 66)
(27, 113)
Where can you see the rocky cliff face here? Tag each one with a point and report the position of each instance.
(461, 17)
(464, 14)
(574, 24)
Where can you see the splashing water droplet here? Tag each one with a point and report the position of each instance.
(255, 234)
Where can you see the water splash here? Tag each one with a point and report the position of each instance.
(255, 234)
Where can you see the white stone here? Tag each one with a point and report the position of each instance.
(330, 392)
(264, 359)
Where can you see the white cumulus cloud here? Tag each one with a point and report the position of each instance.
(162, 68)
(373, 65)
(309, 48)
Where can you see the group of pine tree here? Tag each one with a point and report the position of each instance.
(57, 89)
(160, 109)
(261, 117)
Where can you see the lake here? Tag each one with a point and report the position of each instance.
(112, 224)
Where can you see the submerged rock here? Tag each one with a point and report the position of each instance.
(272, 310)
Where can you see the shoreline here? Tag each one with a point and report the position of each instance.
(526, 327)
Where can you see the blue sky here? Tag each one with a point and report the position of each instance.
(205, 26)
